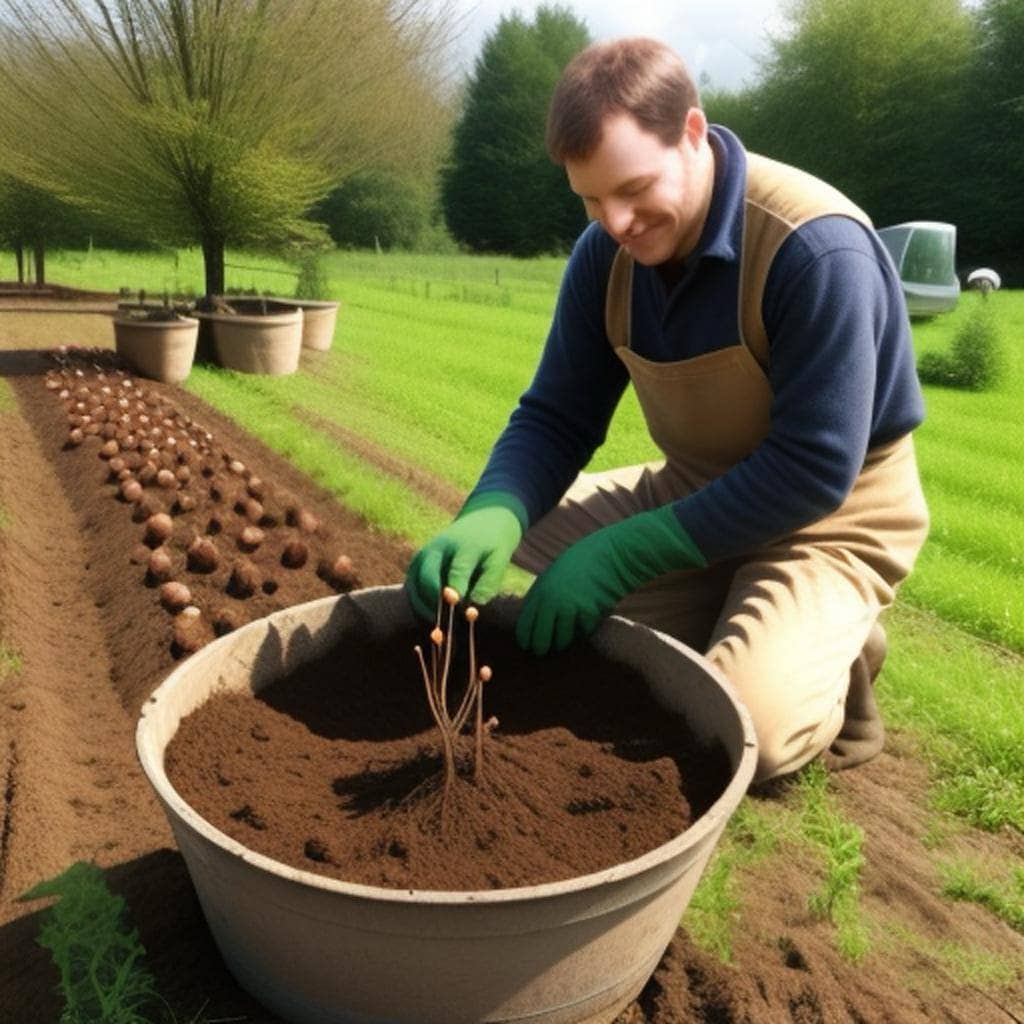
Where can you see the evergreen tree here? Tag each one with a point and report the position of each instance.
(991, 145)
(501, 192)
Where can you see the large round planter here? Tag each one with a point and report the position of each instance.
(319, 951)
(160, 349)
(269, 343)
(319, 318)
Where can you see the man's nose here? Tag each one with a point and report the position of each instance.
(618, 217)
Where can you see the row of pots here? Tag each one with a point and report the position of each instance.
(249, 340)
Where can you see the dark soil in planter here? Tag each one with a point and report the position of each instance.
(337, 769)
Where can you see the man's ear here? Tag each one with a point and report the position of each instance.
(695, 127)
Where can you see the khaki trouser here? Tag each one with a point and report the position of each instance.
(784, 623)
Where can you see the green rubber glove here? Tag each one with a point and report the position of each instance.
(590, 577)
(471, 555)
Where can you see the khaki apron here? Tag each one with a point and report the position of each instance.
(785, 622)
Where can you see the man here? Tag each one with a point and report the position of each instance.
(763, 326)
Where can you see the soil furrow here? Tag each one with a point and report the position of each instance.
(77, 774)
(10, 786)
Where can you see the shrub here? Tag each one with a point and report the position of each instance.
(312, 281)
(377, 208)
(975, 360)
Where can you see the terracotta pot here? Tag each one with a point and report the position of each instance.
(160, 349)
(317, 950)
(256, 343)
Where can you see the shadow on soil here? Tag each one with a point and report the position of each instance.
(180, 952)
(22, 362)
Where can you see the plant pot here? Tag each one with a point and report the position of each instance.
(316, 950)
(255, 343)
(160, 349)
(319, 317)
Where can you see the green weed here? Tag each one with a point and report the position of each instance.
(10, 661)
(6, 396)
(98, 955)
(964, 964)
(714, 909)
(312, 281)
(1006, 900)
(841, 843)
(713, 914)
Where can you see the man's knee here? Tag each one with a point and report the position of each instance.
(794, 727)
(794, 718)
(784, 750)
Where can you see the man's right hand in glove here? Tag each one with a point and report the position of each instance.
(470, 556)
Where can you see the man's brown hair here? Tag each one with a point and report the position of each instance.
(637, 76)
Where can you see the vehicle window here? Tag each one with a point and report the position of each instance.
(930, 257)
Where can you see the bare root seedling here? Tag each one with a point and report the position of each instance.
(435, 680)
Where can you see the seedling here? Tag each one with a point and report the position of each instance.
(435, 680)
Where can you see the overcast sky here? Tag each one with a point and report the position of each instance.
(721, 37)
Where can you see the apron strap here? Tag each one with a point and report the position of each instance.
(618, 300)
(779, 199)
(763, 235)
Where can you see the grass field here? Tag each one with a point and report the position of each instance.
(430, 357)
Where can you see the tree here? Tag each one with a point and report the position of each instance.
(31, 220)
(864, 93)
(500, 191)
(991, 141)
(377, 207)
(185, 121)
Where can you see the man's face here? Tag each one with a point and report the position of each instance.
(651, 198)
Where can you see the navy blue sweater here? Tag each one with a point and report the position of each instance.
(841, 369)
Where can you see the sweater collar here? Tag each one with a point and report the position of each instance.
(723, 229)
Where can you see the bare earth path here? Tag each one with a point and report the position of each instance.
(93, 641)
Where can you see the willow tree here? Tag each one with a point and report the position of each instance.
(216, 122)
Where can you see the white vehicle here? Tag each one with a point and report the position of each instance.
(924, 252)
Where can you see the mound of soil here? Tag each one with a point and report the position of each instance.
(337, 769)
(93, 640)
(240, 543)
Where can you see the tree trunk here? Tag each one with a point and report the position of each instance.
(40, 250)
(213, 263)
(19, 256)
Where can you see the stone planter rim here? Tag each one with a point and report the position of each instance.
(250, 319)
(179, 321)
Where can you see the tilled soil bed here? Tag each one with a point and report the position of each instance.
(94, 636)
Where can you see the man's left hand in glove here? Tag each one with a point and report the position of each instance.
(590, 577)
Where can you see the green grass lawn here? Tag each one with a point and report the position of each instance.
(430, 356)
